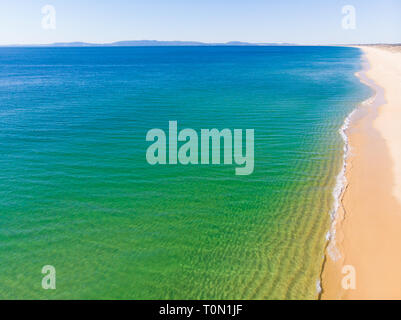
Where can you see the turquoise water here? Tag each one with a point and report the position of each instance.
(77, 193)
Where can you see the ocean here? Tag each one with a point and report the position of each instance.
(77, 193)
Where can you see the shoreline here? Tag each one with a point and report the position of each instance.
(365, 229)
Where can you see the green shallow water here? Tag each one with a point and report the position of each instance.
(77, 193)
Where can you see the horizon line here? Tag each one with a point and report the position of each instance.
(154, 43)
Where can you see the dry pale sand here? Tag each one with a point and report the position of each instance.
(368, 228)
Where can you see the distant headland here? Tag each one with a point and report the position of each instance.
(147, 43)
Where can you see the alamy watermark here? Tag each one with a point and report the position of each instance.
(348, 21)
(348, 282)
(188, 152)
(49, 280)
(49, 18)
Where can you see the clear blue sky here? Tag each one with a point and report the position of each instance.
(295, 21)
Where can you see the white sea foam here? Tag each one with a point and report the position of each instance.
(318, 287)
(341, 184)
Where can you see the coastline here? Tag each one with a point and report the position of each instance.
(367, 223)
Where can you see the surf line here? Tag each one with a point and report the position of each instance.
(188, 152)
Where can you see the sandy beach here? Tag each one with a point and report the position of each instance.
(368, 226)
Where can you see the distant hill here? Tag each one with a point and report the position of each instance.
(147, 43)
